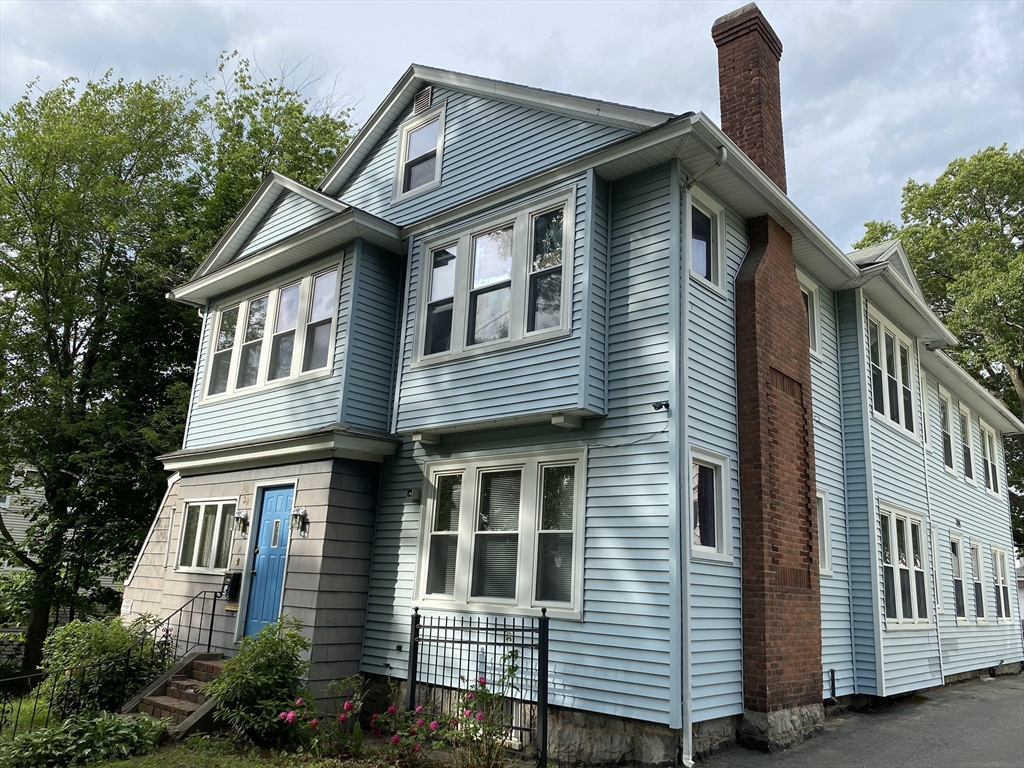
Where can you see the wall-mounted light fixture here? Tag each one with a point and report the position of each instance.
(412, 495)
(242, 522)
(300, 521)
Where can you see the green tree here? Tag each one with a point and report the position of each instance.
(964, 235)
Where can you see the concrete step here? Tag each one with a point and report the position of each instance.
(167, 706)
(186, 689)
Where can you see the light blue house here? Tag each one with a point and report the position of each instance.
(525, 350)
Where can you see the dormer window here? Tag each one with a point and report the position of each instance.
(419, 153)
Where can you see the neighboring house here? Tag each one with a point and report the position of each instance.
(522, 349)
(1020, 595)
(15, 510)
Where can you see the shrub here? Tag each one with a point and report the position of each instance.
(266, 677)
(83, 740)
(133, 657)
(336, 734)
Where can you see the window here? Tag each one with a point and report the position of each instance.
(979, 592)
(965, 443)
(988, 458)
(206, 535)
(707, 241)
(504, 532)
(5, 501)
(504, 282)
(419, 154)
(947, 430)
(824, 534)
(810, 294)
(936, 575)
(904, 583)
(892, 380)
(707, 494)
(271, 344)
(1001, 584)
(956, 550)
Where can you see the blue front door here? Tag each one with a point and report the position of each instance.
(267, 577)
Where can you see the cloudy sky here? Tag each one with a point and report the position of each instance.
(873, 93)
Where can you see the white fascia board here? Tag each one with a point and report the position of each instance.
(917, 302)
(954, 378)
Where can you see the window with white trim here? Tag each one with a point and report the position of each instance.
(707, 238)
(956, 548)
(892, 383)
(710, 532)
(284, 333)
(420, 145)
(904, 582)
(1001, 584)
(988, 458)
(504, 282)
(936, 571)
(809, 290)
(824, 533)
(966, 455)
(504, 531)
(206, 530)
(979, 589)
(5, 501)
(946, 428)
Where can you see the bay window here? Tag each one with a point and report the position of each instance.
(205, 539)
(275, 336)
(504, 282)
(504, 531)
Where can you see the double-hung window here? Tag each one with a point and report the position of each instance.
(274, 336)
(708, 483)
(956, 549)
(707, 239)
(206, 535)
(810, 293)
(892, 383)
(504, 531)
(988, 458)
(420, 145)
(946, 429)
(1000, 582)
(824, 533)
(904, 581)
(965, 443)
(979, 589)
(505, 282)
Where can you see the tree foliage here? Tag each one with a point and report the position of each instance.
(964, 235)
(110, 195)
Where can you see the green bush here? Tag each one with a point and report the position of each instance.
(132, 658)
(83, 740)
(266, 678)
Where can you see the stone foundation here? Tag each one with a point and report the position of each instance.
(772, 731)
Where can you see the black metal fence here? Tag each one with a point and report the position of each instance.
(448, 654)
(41, 699)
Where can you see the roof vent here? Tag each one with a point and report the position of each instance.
(423, 99)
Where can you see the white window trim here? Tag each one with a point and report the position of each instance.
(999, 478)
(959, 539)
(410, 125)
(525, 603)
(809, 287)
(953, 444)
(711, 208)
(1001, 580)
(722, 552)
(976, 550)
(884, 326)
(825, 534)
(911, 518)
(521, 218)
(966, 412)
(220, 502)
(5, 501)
(306, 279)
(936, 570)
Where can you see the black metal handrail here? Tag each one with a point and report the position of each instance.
(41, 698)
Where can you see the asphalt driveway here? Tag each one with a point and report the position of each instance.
(975, 724)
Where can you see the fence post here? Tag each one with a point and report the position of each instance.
(213, 613)
(414, 650)
(542, 689)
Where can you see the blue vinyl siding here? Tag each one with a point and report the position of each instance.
(369, 375)
(836, 624)
(616, 660)
(519, 381)
(290, 214)
(859, 511)
(488, 144)
(716, 630)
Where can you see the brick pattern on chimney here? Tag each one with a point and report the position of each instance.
(781, 591)
(748, 84)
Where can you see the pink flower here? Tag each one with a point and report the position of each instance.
(282, 716)
(348, 706)
(453, 721)
(469, 696)
(434, 725)
(298, 702)
(392, 710)
(480, 716)
(466, 713)
(395, 739)
(482, 680)
(314, 722)
(415, 747)
(375, 731)
(290, 717)
(419, 722)
(419, 710)
(375, 716)
(342, 717)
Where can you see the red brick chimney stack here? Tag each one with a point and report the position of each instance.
(748, 83)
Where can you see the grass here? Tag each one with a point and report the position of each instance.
(30, 712)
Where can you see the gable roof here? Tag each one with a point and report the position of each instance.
(418, 76)
(891, 252)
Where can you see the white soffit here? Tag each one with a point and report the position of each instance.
(958, 381)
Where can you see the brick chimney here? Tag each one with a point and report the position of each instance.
(748, 84)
